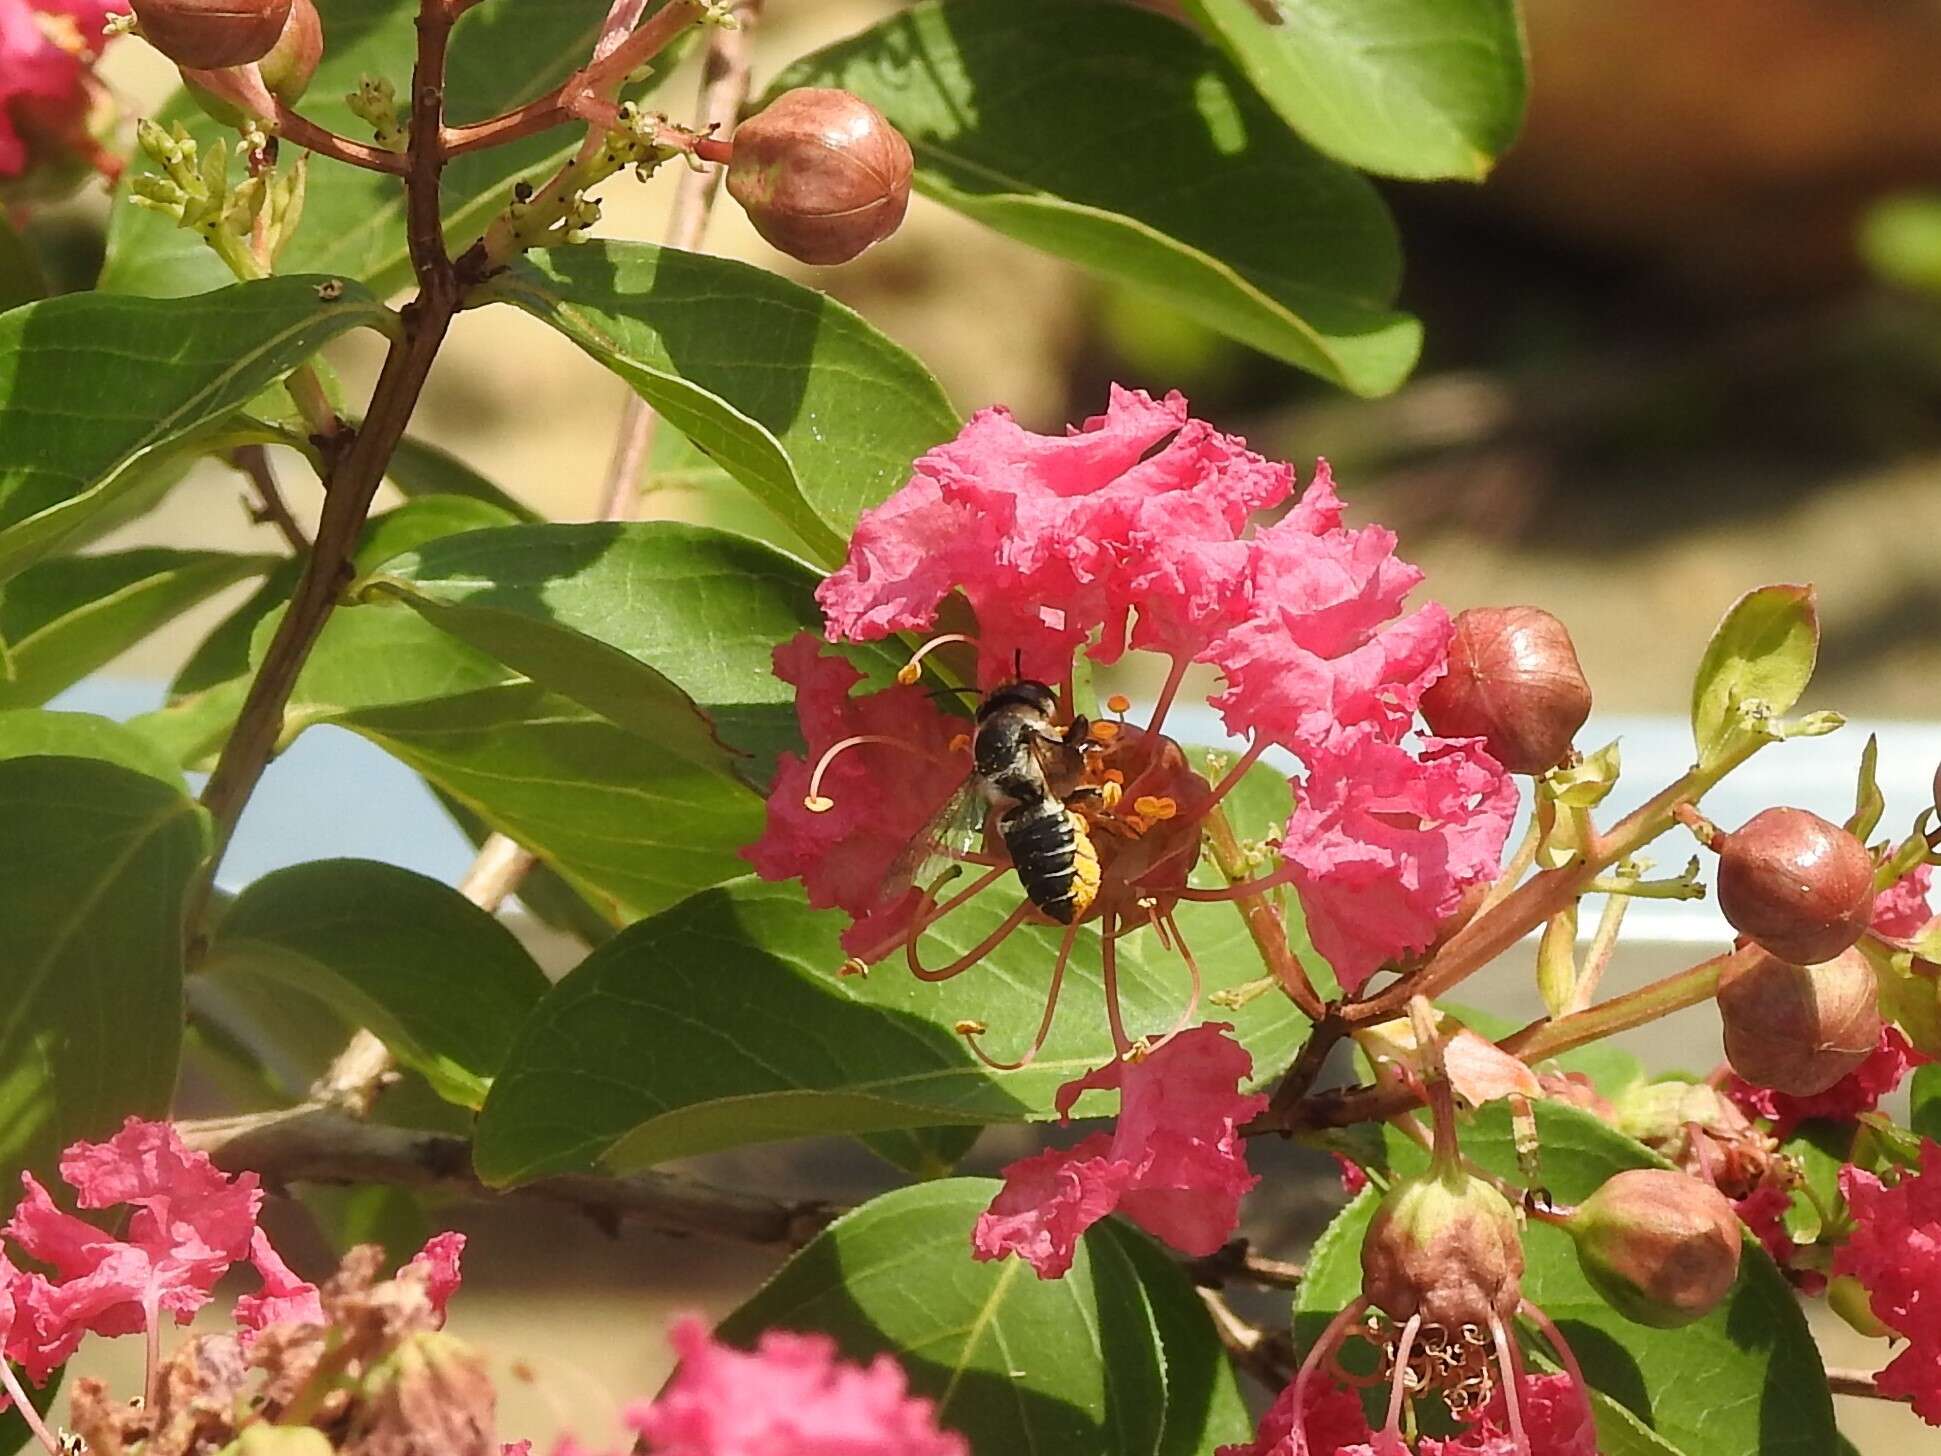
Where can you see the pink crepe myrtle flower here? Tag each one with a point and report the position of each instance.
(1332, 1421)
(436, 1267)
(1895, 1253)
(1554, 1414)
(47, 86)
(284, 1299)
(1901, 911)
(790, 1396)
(1175, 1163)
(1383, 844)
(1857, 1092)
(191, 1221)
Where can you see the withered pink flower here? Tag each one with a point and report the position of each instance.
(790, 1396)
(1555, 1416)
(1175, 1163)
(1895, 1252)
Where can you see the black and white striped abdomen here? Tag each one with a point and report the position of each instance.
(1052, 857)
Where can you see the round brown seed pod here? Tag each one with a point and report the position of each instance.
(1800, 887)
(1513, 681)
(289, 64)
(1660, 1245)
(211, 34)
(1447, 1247)
(1800, 1029)
(821, 174)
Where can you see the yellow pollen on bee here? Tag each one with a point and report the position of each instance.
(1151, 806)
(1103, 732)
(1110, 792)
(818, 803)
(1118, 703)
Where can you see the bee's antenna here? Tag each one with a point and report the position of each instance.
(1017, 663)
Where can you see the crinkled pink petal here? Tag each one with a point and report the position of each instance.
(1174, 1163)
(436, 1265)
(1557, 1420)
(1857, 1092)
(1383, 843)
(790, 1396)
(1895, 1252)
(1354, 1177)
(1332, 1422)
(882, 795)
(1901, 911)
(284, 1299)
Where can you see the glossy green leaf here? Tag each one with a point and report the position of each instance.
(1924, 1115)
(922, 1152)
(421, 472)
(1121, 140)
(632, 827)
(353, 220)
(91, 385)
(662, 627)
(1117, 1358)
(28, 732)
(1868, 801)
(543, 891)
(21, 280)
(1747, 1377)
(724, 1021)
(95, 864)
(793, 394)
(1409, 88)
(67, 616)
(443, 984)
(1761, 656)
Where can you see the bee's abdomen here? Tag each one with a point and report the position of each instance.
(1053, 855)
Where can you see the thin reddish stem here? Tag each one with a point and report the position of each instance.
(970, 957)
(11, 1384)
(1185, 953)
(1109, 958)
(1512, 1396)
(1398, 1383)
(1174, 677)
(1331, 1337)
(1044, 1023)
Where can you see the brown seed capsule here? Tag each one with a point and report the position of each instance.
(1446, 1246)
(821, 174)
(1800, 1029)
(1799, 886)
(211, 34)
(1660, 1245)
(286, 71)
(1513, 681)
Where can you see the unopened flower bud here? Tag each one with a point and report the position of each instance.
(211, 34)
(1513, 681)
(1800, 1029)
(1446, 1246)
(1660, 1245)
(286, 70)
(821, 174)
(1800, 887)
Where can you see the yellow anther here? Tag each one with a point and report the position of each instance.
(1104, 732)
(908, 673)
(854, 966)
(1110, 792)
(1151, 806)
(970, 1028)
(961, 743)
(1118, 703)
(1115, 776)
(818, 803)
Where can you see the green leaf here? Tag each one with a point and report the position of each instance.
(21, 280)
(791, 393)
(353, 220)
(1760, 659)
(1747, 1377)
(548, 895)
(1868, 801)
(443, 984)
(1117, 1358)
(65, 617)
(95, 863)
(1924, 1113)
(661, 627)
(724, 1021)
(91, 385)
(922, 1152)
(1408, 88)
(630, 826)
(423, 471)
(31, 732)
(1121, 140)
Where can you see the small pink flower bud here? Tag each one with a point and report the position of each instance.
(821, 174)
(1800, 1029)
(1660, 1245)
(1799, 886)
(1447, 1246)
(210, 34)
(1513, 681)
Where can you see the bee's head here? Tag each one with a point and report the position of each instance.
(1022, 692)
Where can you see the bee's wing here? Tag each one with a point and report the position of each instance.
(956, 829)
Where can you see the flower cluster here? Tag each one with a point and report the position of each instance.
(47, 90)
(1895, 1253)
(1553, 1418)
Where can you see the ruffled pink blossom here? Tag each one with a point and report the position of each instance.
(880, 795)
(284, 1299)
(47, 50)
(1901, 911)
(436, 1267)
(791, 1396)
(1556, 1416)
(1324, 652)
(1353, 1177)
(1383, 844)
(1052, 538)
(1857, 1092)
(191, 1221)
(1895, 1252)
(1333, 1422)
(1175, 1163)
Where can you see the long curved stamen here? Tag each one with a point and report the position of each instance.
(1323, 1347)
(11, 1385)
(1185, 952)
(1044, 1025)
(912, 670)
(1506, 1357)
(970, 957)
(1168, 692)
(1565, 1355)
(813, 800)
(1121, 1043)
(1239, 889)
(1399, 1380)
(929, 912)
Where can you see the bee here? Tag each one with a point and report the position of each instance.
(1029, 770)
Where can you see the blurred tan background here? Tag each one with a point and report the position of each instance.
(1677, 347)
